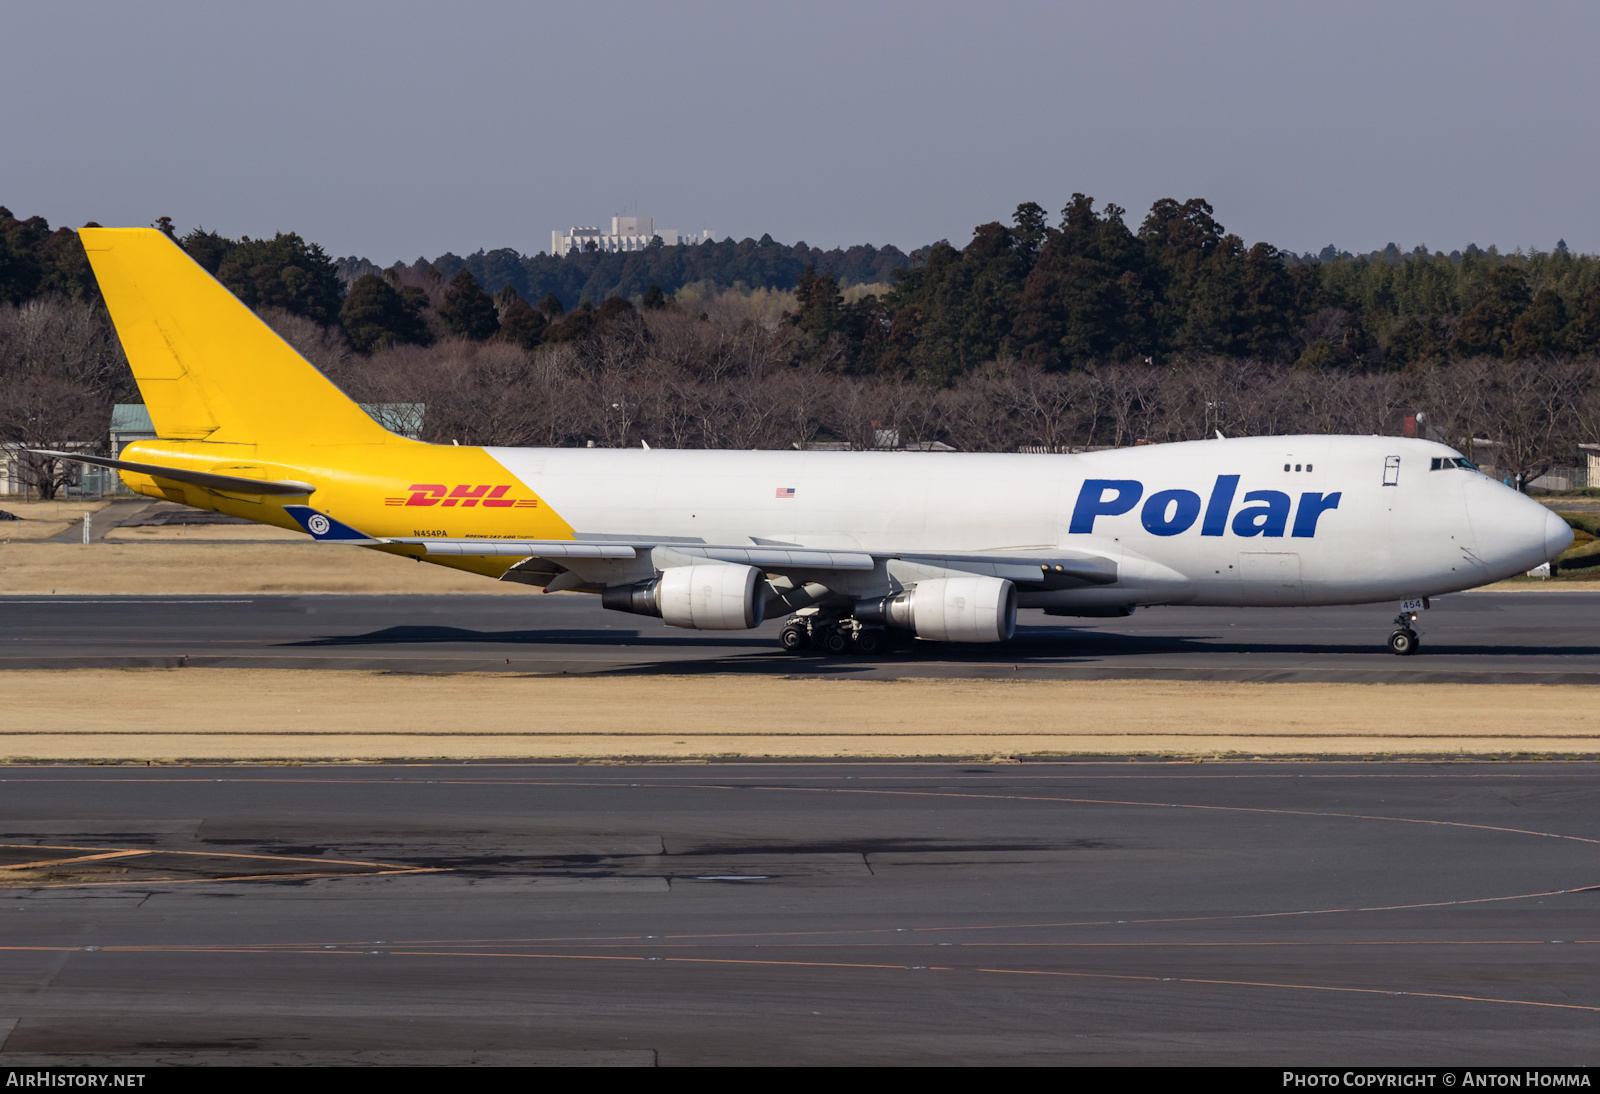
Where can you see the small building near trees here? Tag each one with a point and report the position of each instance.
(627, 234)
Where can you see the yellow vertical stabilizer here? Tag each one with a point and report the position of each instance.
(208, 368)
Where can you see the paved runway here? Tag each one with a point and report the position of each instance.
(1532, 637)
(1040, 913)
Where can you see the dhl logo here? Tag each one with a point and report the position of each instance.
(466, 496)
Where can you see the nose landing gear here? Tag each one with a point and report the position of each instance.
(1404, 640)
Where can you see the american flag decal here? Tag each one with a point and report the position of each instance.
(785, 492)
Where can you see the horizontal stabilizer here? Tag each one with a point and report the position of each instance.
(207, 479)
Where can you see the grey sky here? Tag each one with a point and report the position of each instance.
(392, 130)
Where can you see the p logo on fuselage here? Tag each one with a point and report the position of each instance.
(1172, 512)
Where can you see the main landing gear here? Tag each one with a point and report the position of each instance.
(1404, 640)
(807, 630)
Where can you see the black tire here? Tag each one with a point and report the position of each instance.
(871, 643)
(1403, 642)
(794, 639)
(837, 642)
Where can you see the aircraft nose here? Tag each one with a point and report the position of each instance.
(1557, 535)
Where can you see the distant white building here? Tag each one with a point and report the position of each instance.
(627, 234)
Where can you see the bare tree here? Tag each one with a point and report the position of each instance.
(325, 347)
(1531, 418)
(982, 411)
(1130, 398)
(802, 394)
(1457, 401)
(59, 361)
(1048, 406)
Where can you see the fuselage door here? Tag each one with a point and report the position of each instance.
(1391, 471)
(1270, 577)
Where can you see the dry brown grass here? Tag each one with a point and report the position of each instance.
(43, 519)
(124, 568)
(23, 530)
(239, 714)
(1534, 585)
(51, 510)
(205, 533)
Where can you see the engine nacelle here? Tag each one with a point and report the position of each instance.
(949, 609)
(715, 597)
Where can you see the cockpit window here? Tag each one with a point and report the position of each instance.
(1449, 463)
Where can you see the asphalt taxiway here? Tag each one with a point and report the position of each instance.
(1052, 913)
(1541, 636)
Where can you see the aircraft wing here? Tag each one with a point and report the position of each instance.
(770, 559)
(1030, 568)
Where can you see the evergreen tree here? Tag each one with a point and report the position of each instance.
(1192, 292)
(468, 310)
(523, 324)
(34, 261)
(1417, 338)
(1486, 329)
(575, 327)
(1266, 302)
(1085, 298)
(550, 307)
(1541, 329)
(283, 272)
(821, 306)
(206, 248)
(20, 270)
(613, 306)
(64, 268)
(375, 316)
(1031, 228)
(1583, 335)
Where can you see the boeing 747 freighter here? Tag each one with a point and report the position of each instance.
(858, 547)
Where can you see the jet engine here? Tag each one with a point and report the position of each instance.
(716, 597)
(949, 609)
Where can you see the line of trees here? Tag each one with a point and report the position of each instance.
(1093, 290)
(1082, 333)
(1089, 289)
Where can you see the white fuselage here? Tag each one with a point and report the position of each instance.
(1352, 520)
